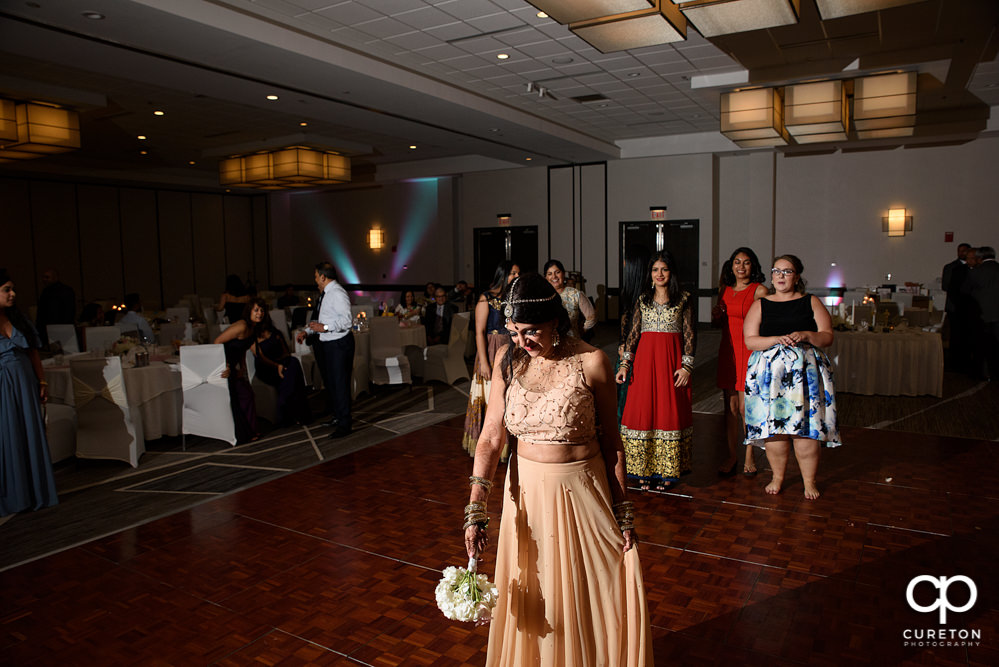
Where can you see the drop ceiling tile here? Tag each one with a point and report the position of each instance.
(440, 52)
(383, 27)
(453, 31)
(392, 7)
(310, 5)
(425, 18)
(521, 36)
(468, 9)
(349, 13)
(542, 49)
(495, 22)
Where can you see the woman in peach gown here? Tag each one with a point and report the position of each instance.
(567, 570)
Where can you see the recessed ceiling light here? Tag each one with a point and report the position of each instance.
(542, 15)
(191, 162)
(634, 74)
(562, 60)
(93, 16)
(141, 137)
(412, 148)
(272, 97)
(528, 158)
(303, 124)
(502, 56)
(143, 152)
(159, 113)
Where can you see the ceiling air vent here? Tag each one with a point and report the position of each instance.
(586, 99)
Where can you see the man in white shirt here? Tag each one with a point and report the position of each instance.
(133, 319)
(332, 326)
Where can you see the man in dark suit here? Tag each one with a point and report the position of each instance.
(437, 318)
(983, 286)
(960, 311)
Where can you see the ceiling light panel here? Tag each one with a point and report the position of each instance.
(833, 9)
(634, 30)
(724, 17)
(573, 11)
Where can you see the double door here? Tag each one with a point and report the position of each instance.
(679, 237)
(497, 244)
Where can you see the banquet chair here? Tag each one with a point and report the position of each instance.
(206, 394)
(917, 317)
(106, 425)
(935, 320)
(100, 339)
(387, 363)
(178, 314)
(211, 317)
(299, 316)
(65, 335)
(862, 314)
(264, 395)
(446, 363)
(172, 331)
(60, 431)
(890, 306)
(280, 320)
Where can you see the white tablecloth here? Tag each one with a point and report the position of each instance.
(890, 364)
(153, 391)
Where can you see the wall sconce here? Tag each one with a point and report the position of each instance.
(657, 212)
(503, 219)
(754, 117)
(376, 238)
(896, 223)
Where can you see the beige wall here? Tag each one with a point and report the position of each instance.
(106, 241)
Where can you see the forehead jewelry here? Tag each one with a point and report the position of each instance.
(510, 303)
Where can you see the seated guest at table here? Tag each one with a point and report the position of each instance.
(26, 481)
(408, 309)
(983, 286)
(289, 299)
(277, 367)
(461, 296)
(237, 340)
(438, 318)
(92, 315)
(56, 304)
(233, 299)
(133, 319)
(789, 383)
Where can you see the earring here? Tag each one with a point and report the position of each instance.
(555, 338)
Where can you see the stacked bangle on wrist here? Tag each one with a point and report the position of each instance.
(475, 513)
(624, 513)
(480, 481)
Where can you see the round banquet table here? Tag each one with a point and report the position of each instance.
(154, 390)
(900, 363)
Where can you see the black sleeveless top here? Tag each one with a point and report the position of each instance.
(779, 318)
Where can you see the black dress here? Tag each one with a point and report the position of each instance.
(244, 408)
(292, 401)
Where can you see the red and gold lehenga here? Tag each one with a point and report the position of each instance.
(656, 425)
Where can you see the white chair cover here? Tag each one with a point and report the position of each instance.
(60, 431)
(388, 363)
(172, 331)
(105, 426)
(178, 314)
(206, 393)
(100, 339)
(264, 395)
(280, 320)
(446, 363)
(211, 316)
(65, 335)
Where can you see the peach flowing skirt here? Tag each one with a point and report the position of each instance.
(568, 595)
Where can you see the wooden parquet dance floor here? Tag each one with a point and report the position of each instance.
(336, 565)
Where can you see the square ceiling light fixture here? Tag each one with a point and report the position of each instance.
(572, 11)
(8, 121)
(37, 130)
(884, 105)
(754, 118)
(291, 167)
(816, 112)
(834, 9)
(722, 17)
(662, 24)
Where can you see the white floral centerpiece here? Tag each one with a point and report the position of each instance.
(121, 346)
(465, 595)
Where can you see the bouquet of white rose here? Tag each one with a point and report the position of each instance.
(465, 595)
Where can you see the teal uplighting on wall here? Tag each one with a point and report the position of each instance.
(419, 218)
(334, 246)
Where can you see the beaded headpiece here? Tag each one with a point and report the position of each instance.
(510, 303)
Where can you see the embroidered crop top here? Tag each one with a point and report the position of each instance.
(652, 317)
(555, 409)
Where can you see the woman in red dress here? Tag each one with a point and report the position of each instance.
(741, 284)
(656, 425)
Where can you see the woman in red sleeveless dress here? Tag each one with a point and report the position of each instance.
(740, 285)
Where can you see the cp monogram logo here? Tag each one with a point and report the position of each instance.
(942, 602)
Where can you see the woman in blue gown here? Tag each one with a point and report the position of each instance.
(26, 481)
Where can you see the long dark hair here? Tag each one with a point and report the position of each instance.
(531, 299)
(265, 324)
(756, 275)
(17, 318)
(234, 286)
(636, 276)
(503, 270)
(402, 297)
(672, 287)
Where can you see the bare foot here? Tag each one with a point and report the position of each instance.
(811, 491)
(773, 488)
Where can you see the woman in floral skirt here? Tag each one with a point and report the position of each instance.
(789, 384)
